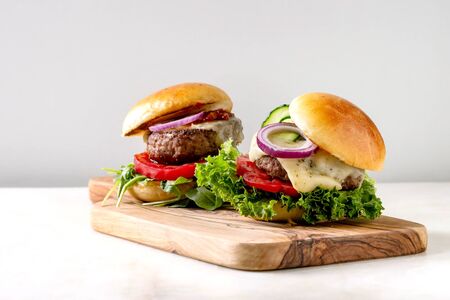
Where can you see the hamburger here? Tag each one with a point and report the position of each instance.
(307, 163)
(180, 126)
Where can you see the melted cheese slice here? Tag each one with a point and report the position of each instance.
(226, 129)
(318, 170)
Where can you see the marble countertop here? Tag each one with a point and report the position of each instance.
(49, 251)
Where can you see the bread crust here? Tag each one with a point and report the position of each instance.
(340, 128)
(174, 102)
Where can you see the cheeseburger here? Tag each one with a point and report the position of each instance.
(307, 163)
(180, 125)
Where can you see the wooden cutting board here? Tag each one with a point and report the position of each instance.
(225, 238)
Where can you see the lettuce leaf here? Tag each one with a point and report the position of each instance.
(125, 177)
(333, 205)
(204, 198)
(171, 186)
(218, 175)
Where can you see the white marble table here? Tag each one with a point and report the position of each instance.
(49, 251)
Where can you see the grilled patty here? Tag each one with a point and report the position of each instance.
(352, 182)
(272, 167)
(181, 146)
(192, 142)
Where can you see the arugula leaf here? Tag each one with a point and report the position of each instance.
(126, 177)
(171, 186)
(180, 180)
(218, 175)
(181, 203)
(204, 198)
(161, 203)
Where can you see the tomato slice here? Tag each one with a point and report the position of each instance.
(253, 180)
(153, 170)
(257, 178)
(244, 165)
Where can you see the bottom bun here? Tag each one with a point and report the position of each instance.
(151, 191)
(283, 215)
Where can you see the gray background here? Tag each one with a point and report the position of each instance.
(70, 70)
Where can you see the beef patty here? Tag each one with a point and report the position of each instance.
(272, 167)
(192, 142)
(352, 182)
(181, 146)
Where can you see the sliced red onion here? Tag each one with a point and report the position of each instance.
(177, 123)
(267, 146)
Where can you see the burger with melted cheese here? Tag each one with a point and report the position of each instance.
(180, 125)
(307, 163)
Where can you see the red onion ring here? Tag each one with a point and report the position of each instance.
(176, 123)
(268, 147)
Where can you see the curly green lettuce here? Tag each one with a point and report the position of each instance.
(218, 175)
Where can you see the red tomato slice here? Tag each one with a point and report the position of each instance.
(257, 178)
(153, 170)
(255, 181)
(244, 165)
(287, 188)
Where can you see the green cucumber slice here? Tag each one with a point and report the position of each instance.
(287, 139)
(287, 119)
(277, 115)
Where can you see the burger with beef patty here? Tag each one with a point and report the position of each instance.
(307, 163)
(181, 125)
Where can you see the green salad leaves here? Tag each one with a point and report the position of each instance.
(126, 177)
(218, 184)
(204, 198)
(218, 175)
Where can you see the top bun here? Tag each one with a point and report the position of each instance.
(174, 102)
(340, 128)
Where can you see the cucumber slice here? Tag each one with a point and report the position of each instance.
(287, 139)
(287, 119)
(276, 115)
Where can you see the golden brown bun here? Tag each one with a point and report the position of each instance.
(283, 215)
(174, 102)
(151, 191)
(340, 128)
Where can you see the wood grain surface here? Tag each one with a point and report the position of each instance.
(225, 238)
